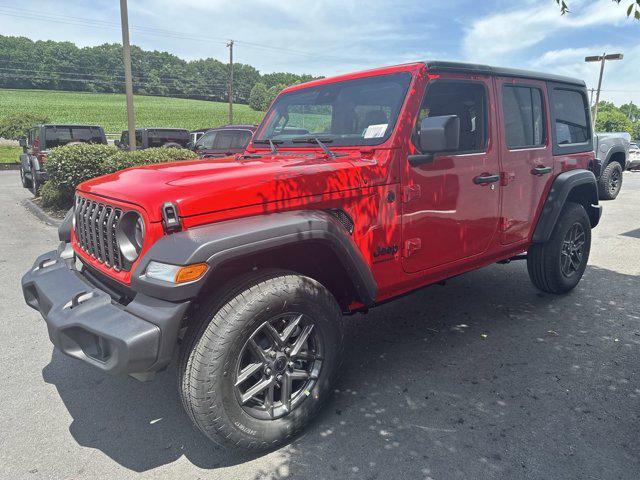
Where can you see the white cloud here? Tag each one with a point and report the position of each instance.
(496, 37)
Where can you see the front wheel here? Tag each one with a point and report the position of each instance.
(26, 183)
(557, 265)
(35, 183)
(256, 367)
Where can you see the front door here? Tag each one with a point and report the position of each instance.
(451, 205)
(525, 153)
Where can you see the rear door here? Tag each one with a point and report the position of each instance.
(526, 155)
(448, 214)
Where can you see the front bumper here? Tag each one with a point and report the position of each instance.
(84, 322)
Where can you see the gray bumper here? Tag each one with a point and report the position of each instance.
(85, 323)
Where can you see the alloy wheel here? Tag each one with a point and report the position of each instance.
(572, 251)
(278, 366)
(614, 181)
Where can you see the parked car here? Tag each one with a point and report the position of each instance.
(612, 159)
(41, 138)
(196, 134)
(224, 141)
(156, 137)
(396, 179)
(634, 156)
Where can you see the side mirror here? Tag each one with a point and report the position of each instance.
(436, 134)
(23, 142)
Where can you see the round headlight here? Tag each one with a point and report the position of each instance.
(130, 235)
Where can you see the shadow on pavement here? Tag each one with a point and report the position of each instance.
(483, 378)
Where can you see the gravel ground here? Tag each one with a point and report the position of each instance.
(483, 378)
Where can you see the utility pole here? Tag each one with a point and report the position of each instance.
(591, 90)
(128, 82)
(602, 59)
(230, 45)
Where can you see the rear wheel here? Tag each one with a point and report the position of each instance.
(610, 181)
(26, 183)
(35, 183)
(557, 265)
(255, 368)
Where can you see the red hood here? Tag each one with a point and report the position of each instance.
(204, 186)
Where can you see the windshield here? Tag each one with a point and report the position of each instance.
(353, 112)
(57, 136)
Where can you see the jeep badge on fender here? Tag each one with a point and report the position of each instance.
(246, 264)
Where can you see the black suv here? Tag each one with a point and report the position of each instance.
(156, 137)
(41, 138)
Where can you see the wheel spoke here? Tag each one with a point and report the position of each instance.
(300, 341)
(289, 329)
(257, 350)
(256, 389)
(298, 375)
(268, 400)
(273, 335)
(307, 355)
(285, 392)
(248, 371)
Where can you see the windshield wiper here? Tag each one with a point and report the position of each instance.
(320, 142)
(272, 144)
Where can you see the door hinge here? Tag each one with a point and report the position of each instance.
(411, 192)
(411, 246)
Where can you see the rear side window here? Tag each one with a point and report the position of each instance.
(523, 117)
(57, 136)
(571, 119)
(158, 138)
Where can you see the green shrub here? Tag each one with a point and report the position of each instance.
(16, 125)
(70, 165)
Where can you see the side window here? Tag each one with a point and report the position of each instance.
(523, 117)
(241, 139)
(138, 138)
(467, 100)
(206, 141)
(571, 119)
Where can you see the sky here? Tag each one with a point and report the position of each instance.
(327, 37)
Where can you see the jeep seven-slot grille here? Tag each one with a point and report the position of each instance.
(95, 232)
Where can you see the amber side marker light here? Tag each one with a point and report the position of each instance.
(190, 273)
(175, 273)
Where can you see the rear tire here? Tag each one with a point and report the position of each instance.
(610, 182)
(557, 265)
(26, 183)
(230, 338)
(35, 183)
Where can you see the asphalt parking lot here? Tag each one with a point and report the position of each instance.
(483, 378)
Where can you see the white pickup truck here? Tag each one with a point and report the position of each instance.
(612, 159)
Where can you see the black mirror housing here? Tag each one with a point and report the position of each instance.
(439, 134)
(23, 142)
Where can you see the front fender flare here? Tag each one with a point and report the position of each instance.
(561, 189)
(219, 243)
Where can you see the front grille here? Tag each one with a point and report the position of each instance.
(95, 232)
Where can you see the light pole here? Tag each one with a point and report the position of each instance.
(601, 58)
(128, 82)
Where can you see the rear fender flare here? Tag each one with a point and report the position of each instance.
(222, 242)
(585, 190)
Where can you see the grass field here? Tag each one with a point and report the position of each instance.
(9, 154)
(108, 110)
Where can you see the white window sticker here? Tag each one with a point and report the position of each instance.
(375, 131)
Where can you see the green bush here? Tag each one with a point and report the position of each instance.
(70, 165)
(16, 125)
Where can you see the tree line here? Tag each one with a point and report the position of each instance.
(51, 65)
(625, 118)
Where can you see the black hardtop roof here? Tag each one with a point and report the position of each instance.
(67, 125)
(161, 129)
(472, 68)
(234, 127)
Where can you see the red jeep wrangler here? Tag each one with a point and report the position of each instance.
(354, 190)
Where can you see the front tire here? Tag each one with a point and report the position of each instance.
(26, 183)
(256, 367)
(610, 181)
(557, 265)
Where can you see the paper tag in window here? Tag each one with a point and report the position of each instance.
(375, 131)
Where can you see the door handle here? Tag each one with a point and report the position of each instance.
(488, 178)
(541, 170)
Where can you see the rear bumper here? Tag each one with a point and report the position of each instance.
(85, 323)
